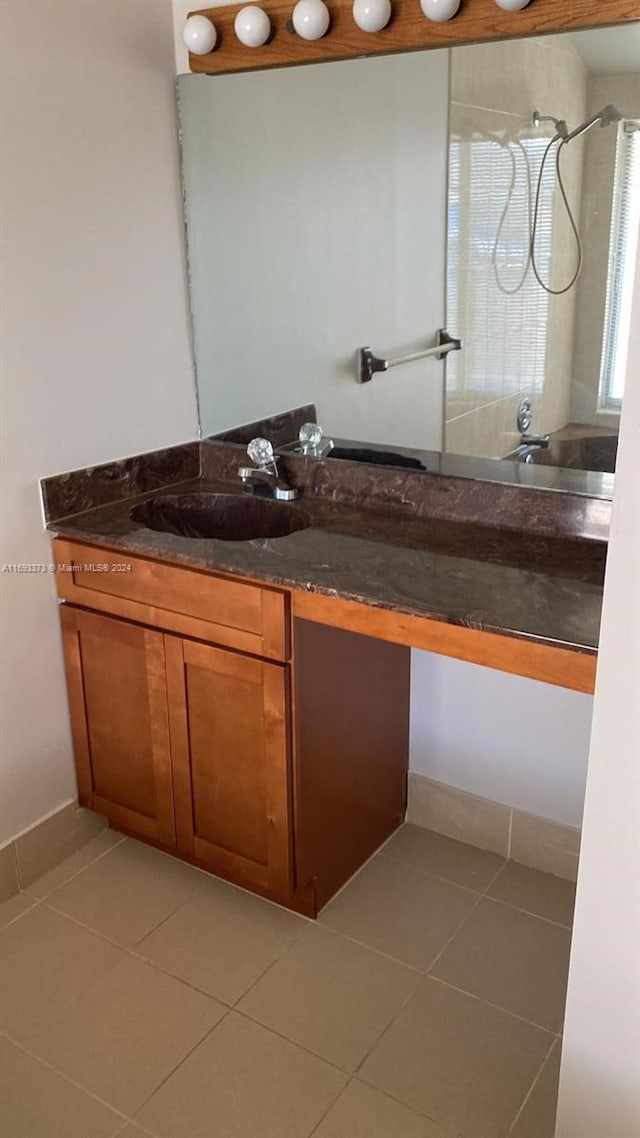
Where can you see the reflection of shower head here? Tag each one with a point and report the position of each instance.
(560, 124)
(606, 117)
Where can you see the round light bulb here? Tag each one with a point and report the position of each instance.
(252, 26)
(199, 35)
(311, 19)
(371, 15)
(512, 5)
(439, 10)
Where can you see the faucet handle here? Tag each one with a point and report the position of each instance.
(260, 451)
(313, 440)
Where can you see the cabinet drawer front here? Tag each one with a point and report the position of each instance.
(233, 613)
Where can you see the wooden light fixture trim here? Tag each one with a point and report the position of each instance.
(477, 21)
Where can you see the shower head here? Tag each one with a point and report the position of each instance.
(606, 117)
(560, 125)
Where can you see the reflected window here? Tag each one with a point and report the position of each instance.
(493, 301)
(623, 244)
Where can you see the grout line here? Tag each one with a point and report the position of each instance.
(294, 1043)
(137, 955)
(510, 835)
(268, 968)
(453, 935)
(529, 913)
(16, 866)
(533, 1086)
(481, 893)
(19, 916)
(371, 948)
(94, 861)
(46, 904)
(67, 1078)
(174, 1069)
(385, 1030)
(497, 1007)
(372, 857)
(495, 877)
(438, 877)
(330, 1108)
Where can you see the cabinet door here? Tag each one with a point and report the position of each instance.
(229, 735)
(120, 721)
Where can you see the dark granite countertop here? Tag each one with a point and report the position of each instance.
(530, 585)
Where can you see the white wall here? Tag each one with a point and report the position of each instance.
(503, 737)
(96, 357)
(600, 1077)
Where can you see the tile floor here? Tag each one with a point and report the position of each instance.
(141, 997)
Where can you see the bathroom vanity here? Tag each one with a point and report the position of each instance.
(239, 675)
(243, 702)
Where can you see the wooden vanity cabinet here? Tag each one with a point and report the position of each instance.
(281, 769)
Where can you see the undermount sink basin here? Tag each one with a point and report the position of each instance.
(225, 517)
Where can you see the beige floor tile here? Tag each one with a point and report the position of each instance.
(241, 1082)
(222, 940)
(362, 1112)
(331, 996)
(16, 907)
(6, 1049)
(462, 1063)
(399, 910)
(35, 1102)
(538, 1119)
(55, 839)
(124, 1035)
(133, 1131)
(539, 893)
(455, 861)
(511, 959)
(45, 960)
(68, 868)
(128, 893)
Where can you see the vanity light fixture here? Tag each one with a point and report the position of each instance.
(311, 19)
(252, 26)
(371, 15)
(199, 35)
(439, 10)
(512, 5)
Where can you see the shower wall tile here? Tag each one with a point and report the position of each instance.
(489, 432)
(495, 89)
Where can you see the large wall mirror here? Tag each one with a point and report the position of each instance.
(493, 190)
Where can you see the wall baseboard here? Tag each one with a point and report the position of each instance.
(536, 842)
(45, 845)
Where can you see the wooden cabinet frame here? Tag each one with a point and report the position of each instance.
(477, 21)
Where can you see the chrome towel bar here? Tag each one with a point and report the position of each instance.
(369, 363)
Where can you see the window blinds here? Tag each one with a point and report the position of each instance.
(625, 223)
(505, 333)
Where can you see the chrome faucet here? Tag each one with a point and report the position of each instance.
(525, 418)
(263, 478)
(535, 440)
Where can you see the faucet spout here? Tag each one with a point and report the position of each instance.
(264, 479)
